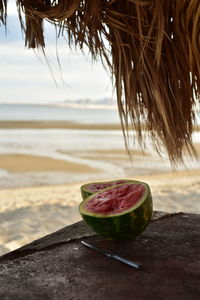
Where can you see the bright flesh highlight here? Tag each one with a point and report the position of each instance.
(115, 200)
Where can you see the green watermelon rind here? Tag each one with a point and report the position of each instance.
(86, 193)
(122, 226)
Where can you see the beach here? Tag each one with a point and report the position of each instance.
(43, 166)
(28, 213)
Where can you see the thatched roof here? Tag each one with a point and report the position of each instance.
(152, 49)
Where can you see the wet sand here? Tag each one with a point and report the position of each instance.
(18, 163)
(56, 124)
(62, 125)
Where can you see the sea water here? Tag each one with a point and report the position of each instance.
(22, 112)
(72, 144)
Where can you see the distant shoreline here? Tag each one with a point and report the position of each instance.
(63, 125)
(56, 125)
(75, 105)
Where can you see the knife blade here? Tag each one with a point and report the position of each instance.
(131, 263)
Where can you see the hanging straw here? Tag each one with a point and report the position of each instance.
(153, 56)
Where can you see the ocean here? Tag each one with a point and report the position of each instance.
(68, 145)
(22, 112)
(75, 146)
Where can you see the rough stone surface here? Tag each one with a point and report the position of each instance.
(169, 250)
(66, 234)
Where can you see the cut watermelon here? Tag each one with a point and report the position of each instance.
(119, 212)
(95, 187)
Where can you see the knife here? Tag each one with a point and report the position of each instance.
(133, 264)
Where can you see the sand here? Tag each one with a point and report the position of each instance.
(29, 163)
(29, 213)
(32, 212)
(56, 124)
(31, 208)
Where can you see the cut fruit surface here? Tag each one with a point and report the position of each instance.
(95, 187)
(119, 212)
(115, 200)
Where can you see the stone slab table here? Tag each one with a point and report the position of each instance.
(59, 267)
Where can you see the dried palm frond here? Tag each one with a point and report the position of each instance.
(3, 11)
(153, 56)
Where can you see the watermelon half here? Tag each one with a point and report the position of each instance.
(95, 187)
(119, 212)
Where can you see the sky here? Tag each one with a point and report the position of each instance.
(25, 75)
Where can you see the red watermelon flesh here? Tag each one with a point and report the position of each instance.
(116, 200)
(96, 187)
